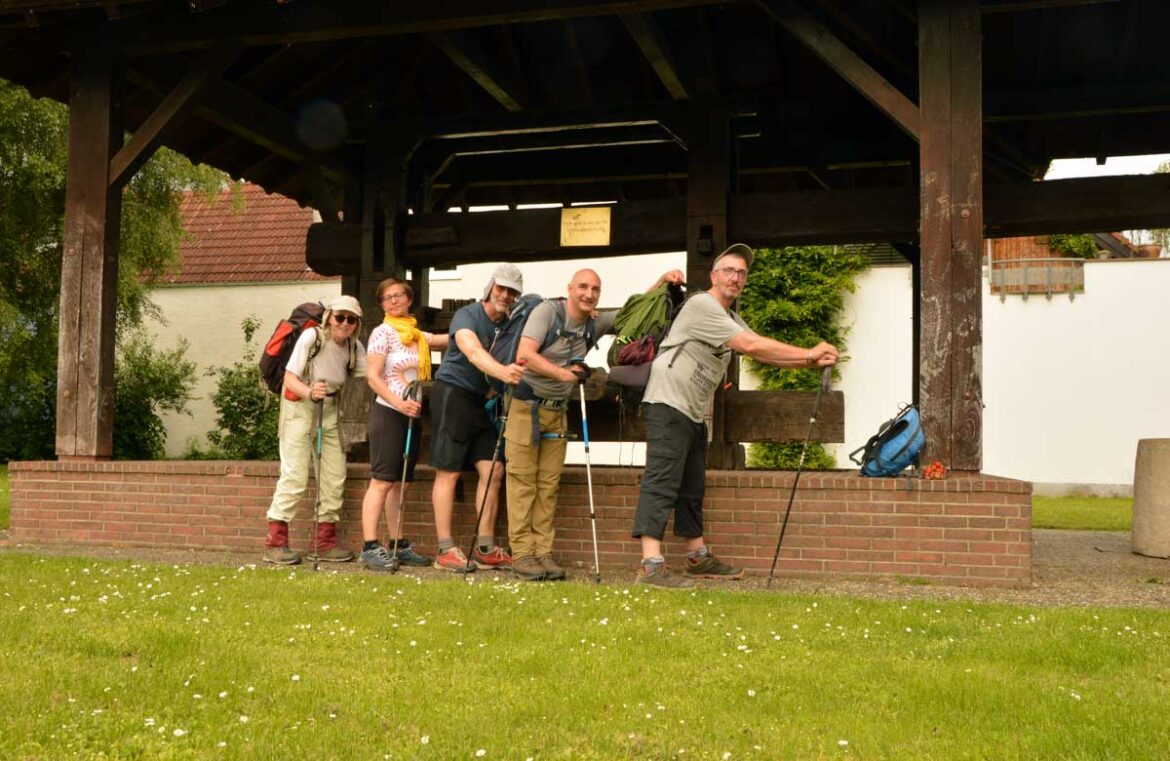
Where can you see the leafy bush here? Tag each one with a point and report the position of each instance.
(795, 295)
(146, 382)
(1080, 246)
(247, 414)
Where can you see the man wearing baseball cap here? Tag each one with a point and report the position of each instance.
(322, 360)
(464, 434)
(683, 379)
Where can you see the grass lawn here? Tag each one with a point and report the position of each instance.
(127, 660)
(1083, 513)
(5, 497)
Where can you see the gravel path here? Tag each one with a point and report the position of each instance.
(1072, 568)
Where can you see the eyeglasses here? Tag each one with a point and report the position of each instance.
(348, 319)
(394, 297)
(733, 272)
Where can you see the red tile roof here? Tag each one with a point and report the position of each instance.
(263, 241)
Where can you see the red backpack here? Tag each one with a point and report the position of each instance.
(284, 338)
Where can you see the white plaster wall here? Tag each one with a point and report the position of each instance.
(1070, 386)
(209, 316)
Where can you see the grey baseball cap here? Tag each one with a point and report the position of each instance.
(507, 275)
(737, 249)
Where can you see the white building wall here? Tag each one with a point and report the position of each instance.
(209, 317)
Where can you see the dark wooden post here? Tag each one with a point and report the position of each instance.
(384, 194)
(708, 133)
(951, 150)
(89, 265)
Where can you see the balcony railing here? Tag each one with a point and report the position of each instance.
(1048, 276)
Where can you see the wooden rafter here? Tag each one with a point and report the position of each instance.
(473, 63)
(872, 85)
(654, 48)
(173, 109)
(301, 22)
(243, 114)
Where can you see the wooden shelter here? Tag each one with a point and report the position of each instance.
(925, 124)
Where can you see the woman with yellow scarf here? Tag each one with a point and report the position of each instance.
(398, 354)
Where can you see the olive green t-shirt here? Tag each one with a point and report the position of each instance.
(694, 357)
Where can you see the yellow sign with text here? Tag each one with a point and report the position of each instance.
(585, 226)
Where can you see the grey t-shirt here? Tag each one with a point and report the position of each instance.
(569, 345)
(694, 356)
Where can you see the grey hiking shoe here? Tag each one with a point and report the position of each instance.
(407, 556)
(661, 576)
(528, 568)
(710, 567)
(281, 556)
(552, 571)
(378, 559)
(331, 555)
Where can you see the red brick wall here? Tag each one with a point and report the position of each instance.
(972, 530)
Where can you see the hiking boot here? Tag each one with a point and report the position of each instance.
(496, 560)
(710, 567)
(453, 560)
(334, 554)
(281, 556)
(528, 568)
(325, 548)
(407, 556)
(552, 571)
(661, 576)
(378, 559)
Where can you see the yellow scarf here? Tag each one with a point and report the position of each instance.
(408, 332)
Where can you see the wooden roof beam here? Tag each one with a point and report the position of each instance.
(1018, 6)
(1076, 102)
(242, 113)
(473, 63)
(175, 107)
(273, 24)
(872, 85)
(654, 48)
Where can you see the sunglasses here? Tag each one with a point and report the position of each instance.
(349, 319)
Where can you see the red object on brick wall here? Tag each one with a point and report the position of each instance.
(967, 529)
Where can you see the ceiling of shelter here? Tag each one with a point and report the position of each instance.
(527, 101)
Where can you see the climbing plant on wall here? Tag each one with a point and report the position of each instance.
(795, 295)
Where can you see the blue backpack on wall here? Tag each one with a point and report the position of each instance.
(895, 445)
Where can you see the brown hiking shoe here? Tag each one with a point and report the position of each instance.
(528, 568)
(661, 576)
(281, 556)
(710, 567)
(552, 571)
(334, 554)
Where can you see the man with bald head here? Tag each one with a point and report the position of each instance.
(557, 332)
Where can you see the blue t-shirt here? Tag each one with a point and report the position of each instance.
(456, 368)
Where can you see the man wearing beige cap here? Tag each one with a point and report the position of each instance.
(683, 379)
(464, 435)
(323, 359)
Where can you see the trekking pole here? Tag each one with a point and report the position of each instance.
(318, 436)
(492, 470)
(411, 391)
(826, 384)
(589, 482)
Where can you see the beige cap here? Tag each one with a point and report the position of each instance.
(737, 249)
(346, 304)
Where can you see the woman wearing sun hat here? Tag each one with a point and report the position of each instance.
(323, 359)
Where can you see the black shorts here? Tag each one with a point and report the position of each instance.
(388, 443)
(463, 432)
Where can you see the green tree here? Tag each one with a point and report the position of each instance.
(1162, 236)
(795, 295)
(146, 382)
(246, 412)
(33, 160)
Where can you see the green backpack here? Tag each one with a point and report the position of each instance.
(642, 323)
